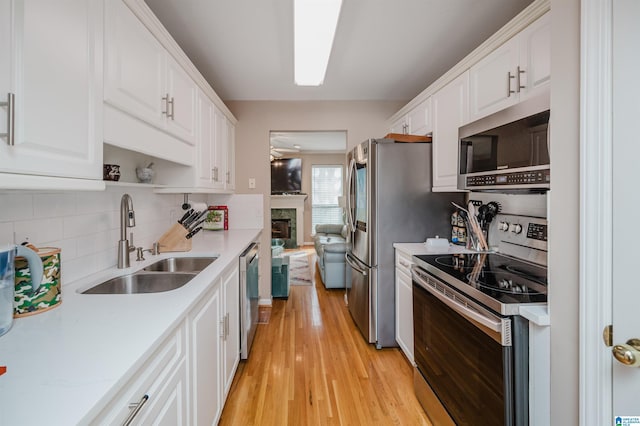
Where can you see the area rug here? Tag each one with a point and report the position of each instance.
(299, 270)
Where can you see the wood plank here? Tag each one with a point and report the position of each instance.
(400, 137)
(311, 366)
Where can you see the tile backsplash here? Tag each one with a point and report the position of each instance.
(85, 225)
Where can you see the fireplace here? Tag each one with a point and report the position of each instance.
(290, 207)
(281, 228)
(284, 226)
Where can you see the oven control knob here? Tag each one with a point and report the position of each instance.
(503, 226)
(516, 228)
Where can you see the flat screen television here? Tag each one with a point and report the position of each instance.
(286, 176)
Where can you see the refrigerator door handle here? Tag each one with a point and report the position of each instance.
(352, 261)
(350, 175)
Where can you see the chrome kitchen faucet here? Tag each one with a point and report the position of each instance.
(127, 220)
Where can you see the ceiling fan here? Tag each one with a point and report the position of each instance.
(279, 152)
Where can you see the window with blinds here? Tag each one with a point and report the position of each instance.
(326, 187)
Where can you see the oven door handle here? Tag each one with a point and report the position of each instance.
(490, 323)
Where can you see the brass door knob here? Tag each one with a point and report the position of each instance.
(629, 353)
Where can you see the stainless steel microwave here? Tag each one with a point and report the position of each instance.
(507, 151)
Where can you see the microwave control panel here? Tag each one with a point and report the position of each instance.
(535, 177)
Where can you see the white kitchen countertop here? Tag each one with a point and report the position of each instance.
(64, 365)
(421, 248)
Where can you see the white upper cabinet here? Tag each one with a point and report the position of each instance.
(535, 54)
(230, 182)
(216, 148)
(182, 90)
(518, 69)
(134, 62)
(220, 162)
(143, 80)
(400, 126)
(450, 111)
(52, 67)
(209, 147)
(492, 81)
(418, 121)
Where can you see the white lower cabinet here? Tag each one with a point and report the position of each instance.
(215, 347)
(157, 391)
(169, 408)
(231, 342)
(206, 343)
(186, 380)
(404, 304)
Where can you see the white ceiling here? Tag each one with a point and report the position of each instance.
(383, 49)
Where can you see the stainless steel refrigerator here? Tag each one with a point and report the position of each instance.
(389, 200)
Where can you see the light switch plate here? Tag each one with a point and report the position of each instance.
(252, 183)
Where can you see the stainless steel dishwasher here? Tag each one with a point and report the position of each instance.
(249, 295)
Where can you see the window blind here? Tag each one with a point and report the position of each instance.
(326, 187)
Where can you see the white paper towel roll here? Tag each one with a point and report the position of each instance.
(199, 206)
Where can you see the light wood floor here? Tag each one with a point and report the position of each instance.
(311, 366)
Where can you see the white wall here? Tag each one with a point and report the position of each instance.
(361, 120)
(564, 289)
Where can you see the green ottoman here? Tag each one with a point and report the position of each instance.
(280, 277)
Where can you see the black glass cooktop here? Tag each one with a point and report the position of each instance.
(490, 275)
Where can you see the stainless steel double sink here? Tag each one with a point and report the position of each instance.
(163, 275)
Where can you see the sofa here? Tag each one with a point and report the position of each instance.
(331, 244)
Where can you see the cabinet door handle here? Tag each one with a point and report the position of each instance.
(135, 410)
(11, 119)
(518, 83)
(166, 104)
(228, 177)
(509, 77)
(226, 326)
(173, 105)
(215, 174)
(223, 327)
(406, 265)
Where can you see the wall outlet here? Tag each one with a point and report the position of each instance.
(252, 183)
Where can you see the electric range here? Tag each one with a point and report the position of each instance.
(503, 281)
(471, 346)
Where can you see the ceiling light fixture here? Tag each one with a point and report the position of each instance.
(314, 26)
